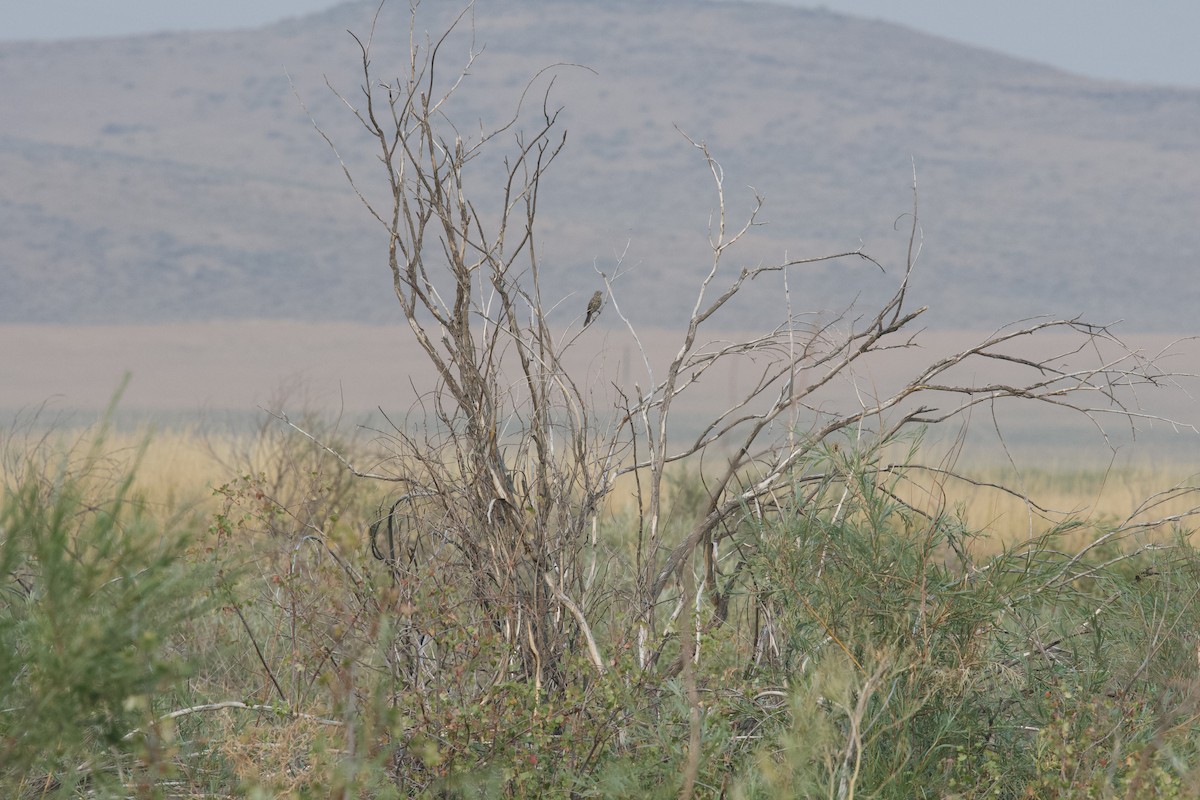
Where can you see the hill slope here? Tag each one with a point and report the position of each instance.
(176, 177)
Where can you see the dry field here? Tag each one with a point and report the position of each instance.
(179, 469)
(239, 366)
(197, 395)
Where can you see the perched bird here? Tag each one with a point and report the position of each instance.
(593, 309)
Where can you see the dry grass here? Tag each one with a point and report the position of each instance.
(180, 470)
(177, 470)
(1040, 497)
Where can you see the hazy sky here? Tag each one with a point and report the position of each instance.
(1151, 41)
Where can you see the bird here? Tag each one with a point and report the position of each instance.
(593, 309)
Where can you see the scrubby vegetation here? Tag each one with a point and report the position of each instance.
(253, 644)
(534, 584)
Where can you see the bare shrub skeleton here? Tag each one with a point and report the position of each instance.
(507, 462)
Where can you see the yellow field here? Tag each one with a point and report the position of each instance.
(178, 471)
(1035, 500)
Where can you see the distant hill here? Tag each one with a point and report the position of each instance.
(176, 177)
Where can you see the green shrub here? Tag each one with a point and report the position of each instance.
(916, 670)
(93, 590)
